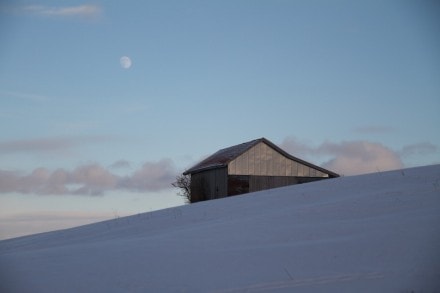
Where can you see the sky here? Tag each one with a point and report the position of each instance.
(103, 103)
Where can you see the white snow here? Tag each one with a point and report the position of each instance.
(371, 233)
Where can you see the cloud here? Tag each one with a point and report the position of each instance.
(348, 157)
(90, 179)
(360, 157)
(86, 10)
(121, 164)
(296, 147)
(24, 96)
(374, 129)
(424, 148)
(36, 145)
(152, 176)
(48, 144)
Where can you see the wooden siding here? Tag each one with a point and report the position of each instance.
(257, 183)
(209, 184)
(262, 160)
(240, 184)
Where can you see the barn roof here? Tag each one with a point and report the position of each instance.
(222, 157)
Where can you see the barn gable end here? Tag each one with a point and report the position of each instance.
(263, 160)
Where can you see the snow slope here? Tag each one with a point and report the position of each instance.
(369, 233)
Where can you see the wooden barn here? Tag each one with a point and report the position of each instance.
(251, 166)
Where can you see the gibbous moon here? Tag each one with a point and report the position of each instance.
(125, 62)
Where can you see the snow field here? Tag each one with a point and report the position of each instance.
(371, 233)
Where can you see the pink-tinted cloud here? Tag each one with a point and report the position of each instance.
(8, 181)
(151, 176)
(36, 145)
(349, 157)
(49, 145)
(91, 179)
(360, 157)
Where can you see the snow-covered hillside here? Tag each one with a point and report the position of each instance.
(370, 233)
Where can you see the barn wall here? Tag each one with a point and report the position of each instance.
(262, 160)
(257, 183)
(239, 184)
(209, 184)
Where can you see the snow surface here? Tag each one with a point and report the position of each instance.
(371, 233)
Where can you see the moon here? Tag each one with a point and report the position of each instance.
(125, 62)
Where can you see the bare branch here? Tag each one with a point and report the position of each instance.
(183, 182)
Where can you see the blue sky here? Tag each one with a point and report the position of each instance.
(353, 86)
